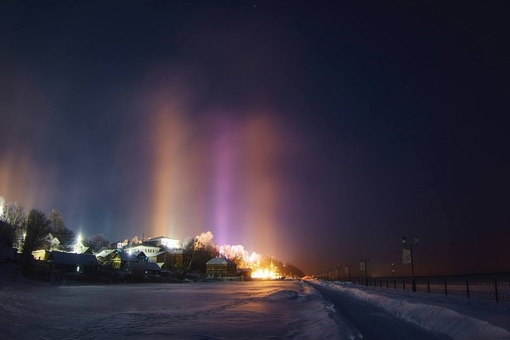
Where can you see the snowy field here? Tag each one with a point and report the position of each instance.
(209, 310)
(237, 310)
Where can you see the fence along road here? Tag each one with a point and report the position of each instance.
(490, 287)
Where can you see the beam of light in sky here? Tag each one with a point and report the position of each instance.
(224, 178)
(169, 133)
(178, 170)
(24, 181)
(214, 172)
(262, 146)
(26, 176)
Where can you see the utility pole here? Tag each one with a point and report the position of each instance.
(405, 260)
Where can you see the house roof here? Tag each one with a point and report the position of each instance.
(140, 254)
(157, 238)
(141, 246)
(105, 252)
(142, 266)
(220, 260)
(125, 256)
(71, 258)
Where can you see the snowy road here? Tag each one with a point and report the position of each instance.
(371, 321)
(213, 310)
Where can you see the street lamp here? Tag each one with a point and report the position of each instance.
(405, 260)
(348, 270)
(337, 273)
(77, 246)
(393, 269)
(363, 265)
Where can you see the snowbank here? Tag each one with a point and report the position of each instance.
(429, 316)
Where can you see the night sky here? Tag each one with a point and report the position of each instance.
(313, 133)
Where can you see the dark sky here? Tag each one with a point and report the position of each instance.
(314, 133)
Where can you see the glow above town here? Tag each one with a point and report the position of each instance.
(217, 172)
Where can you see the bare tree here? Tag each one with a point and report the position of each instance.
(58, 228)
(97, 242)
(200, 249)
(37, 227)
(57, 224)
(7, 234)
(14, 215)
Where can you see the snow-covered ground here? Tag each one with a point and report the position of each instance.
(456, 317)
(224, 310)
(207, 310)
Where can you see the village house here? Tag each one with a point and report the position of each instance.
(41, 254)
(177, 259)
(105, 255)
(220, 267)
(149, 251)
(165, 242)
(142, 270)
(51, 242)
(115, 258)
(72, 263)
(244, 273)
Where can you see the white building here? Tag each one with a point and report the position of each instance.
(166, 242)
(149, 251)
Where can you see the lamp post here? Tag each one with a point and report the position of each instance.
(364, 262)
(393, 269)
(337, 273)
(410, 248)
(348, 267)
(77, 246)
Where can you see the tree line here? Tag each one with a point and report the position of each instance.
(28, 232)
